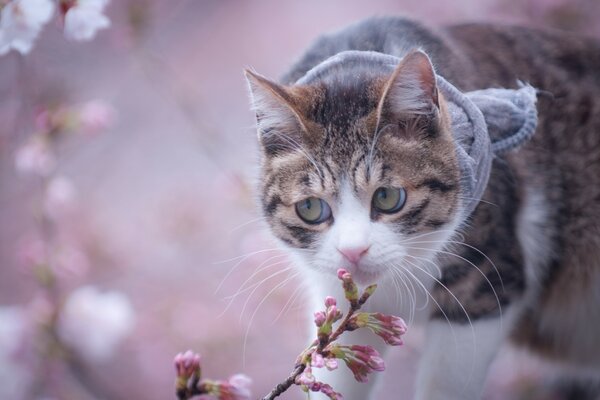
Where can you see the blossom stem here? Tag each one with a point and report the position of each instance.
(290, 380)
(286, 384)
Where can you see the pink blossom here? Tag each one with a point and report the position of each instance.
(341, 273)
(306, 378)
(60, 196)
(35, 157)
(361, 360)
(32, 252)
(325, 389)
(187, 364)
(389, 327)
(330, 301)
(21, 22)
(84, 19)
(350, 288)
(96, 115)
(320, 318)
(317, 360)
(236, 388)
(331, 363)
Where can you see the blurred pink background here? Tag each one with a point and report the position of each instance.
(154, 209)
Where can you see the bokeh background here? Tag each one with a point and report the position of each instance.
(129, 229)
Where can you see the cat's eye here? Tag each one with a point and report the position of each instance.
(313, 210)
(388, 199)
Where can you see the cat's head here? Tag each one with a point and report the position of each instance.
(359, 167)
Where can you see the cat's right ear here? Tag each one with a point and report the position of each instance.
(278, 117)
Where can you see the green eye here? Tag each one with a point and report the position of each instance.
(389, 200)
(313, 210)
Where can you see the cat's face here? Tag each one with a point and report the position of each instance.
(359, 172)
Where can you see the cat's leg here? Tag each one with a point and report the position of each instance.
(457, 356)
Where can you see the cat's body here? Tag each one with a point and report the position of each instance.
(524, 265)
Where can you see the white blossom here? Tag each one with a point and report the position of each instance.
(35, 157)
(94, 323)
(14, 376)
(60, 196)
(21, 22)
(96, 115)
(84, 19)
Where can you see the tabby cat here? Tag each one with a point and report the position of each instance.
(360, 169)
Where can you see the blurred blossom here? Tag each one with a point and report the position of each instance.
(96, 115)
(71, 261)
(35, 157)
(32, 252)
(41, 310)
(13, 375)
(94, 323)
(21, 22)
(84, 18)
(60, 196)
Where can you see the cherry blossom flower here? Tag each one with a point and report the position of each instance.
(59, 197)
(35, 157)
(95, 116)
(84, 18)
(14, 376)
(326, 390)
(235, 388)
(94, 323)
(21, 22)
(389, 327)
(361, 360)
(187, 364)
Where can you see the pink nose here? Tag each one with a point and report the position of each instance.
(353, 254)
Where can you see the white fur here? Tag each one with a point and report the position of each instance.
(457, 357)
(533, 236)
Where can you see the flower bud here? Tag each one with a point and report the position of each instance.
(320, 318)
(330, 301)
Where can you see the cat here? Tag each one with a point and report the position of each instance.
(360, 169)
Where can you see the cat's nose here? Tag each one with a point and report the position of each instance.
(354, 254)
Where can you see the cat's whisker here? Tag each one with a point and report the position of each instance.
(429, 295)
(399, 293)
(262, 267)
(231, 298)
(413, 299)
(279, 285)
(464, 310)
(408, 239)
(302, 150)
(273, 275)
(289, 302)
(241, 259)
(243, 256)
(478, 269)
(481, 200)
(473, 248)
(455, 299)
(246, 224)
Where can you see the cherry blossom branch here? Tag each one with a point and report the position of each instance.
(323, 352)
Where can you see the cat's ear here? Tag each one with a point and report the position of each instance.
(279, 120)
(412, 88)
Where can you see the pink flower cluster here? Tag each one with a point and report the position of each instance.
(324, 352)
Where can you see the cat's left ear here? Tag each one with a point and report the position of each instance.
(278, 113)
(412, 88)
